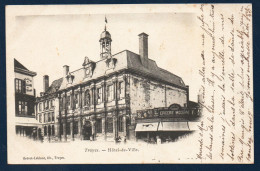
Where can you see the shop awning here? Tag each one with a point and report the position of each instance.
(173, 126)
(142, 127)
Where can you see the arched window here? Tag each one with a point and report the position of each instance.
(87, 98)
(53, 130)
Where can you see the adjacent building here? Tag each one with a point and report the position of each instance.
(101, 99)
(25, 121)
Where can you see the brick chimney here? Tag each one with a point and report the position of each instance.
(143, 48)
(66, 70)
(45, 83)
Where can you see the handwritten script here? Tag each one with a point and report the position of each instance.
(226, 92)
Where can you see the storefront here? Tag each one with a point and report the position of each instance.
(166, 131)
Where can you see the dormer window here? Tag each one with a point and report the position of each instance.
(70, 78)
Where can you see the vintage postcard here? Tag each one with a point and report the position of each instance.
(96, 84)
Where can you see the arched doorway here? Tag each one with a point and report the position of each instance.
(87, 130)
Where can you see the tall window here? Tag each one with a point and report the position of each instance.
(61, 128)
(99, 125)
(120, 124)
(110, 125)
(40, 118)
(22, 108)
(49, 117)
(45, 130)
(87, 98)
(19, 86)
(46, 104)
(52, 116)
(99, 95)
(68, 102)
(40, 106)
(52, 130)
(51, 103)
(110, 92)
(75, 127)
(68, 128)
(121, 90)
(76, 100)
(46, 117)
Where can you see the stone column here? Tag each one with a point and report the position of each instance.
(59, 120)
(80, 127)
(93, 122)
(115, 131)
(124, 125)
(65, 130)
(81, 104)
(104, 127)
(57, 130)
(71, 130)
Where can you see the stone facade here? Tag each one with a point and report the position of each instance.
(99, 101)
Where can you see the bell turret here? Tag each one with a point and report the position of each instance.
(105, 43)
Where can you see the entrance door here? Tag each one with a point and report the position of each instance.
(87, 131)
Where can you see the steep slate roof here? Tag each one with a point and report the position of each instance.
(19, 68)
(125, 60)
(55, 86)
(19, 65)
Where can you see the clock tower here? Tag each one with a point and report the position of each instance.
(105, 43)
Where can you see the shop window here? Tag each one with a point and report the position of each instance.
(110, 92)
(110, 125)
(99, 95)
(19, 86)
(121, 90)
(99, 125)
(120, 124)
(75, 127)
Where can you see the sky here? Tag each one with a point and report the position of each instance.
(44, 43)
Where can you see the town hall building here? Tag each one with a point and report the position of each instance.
(100, 100)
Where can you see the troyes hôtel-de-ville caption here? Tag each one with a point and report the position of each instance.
(122, 97)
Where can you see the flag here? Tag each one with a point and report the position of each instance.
(106, 19)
